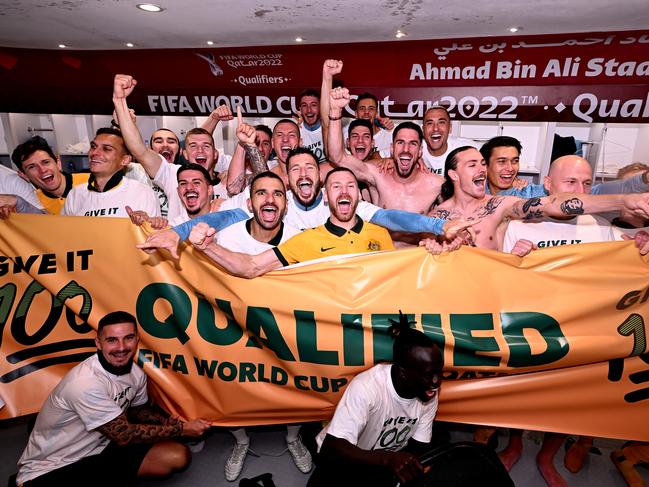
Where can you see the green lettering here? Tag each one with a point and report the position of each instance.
(353, 339)
(247, 372)
(71, 290)
(206, 323)
(307, 340)
(520, 355)
(382, 343)
(229, 375)
(260, 319)
(18, 324)
(176, 323)
(467, 346)
(7, 297)
(203, 367)
(432, 325)
(179, 365)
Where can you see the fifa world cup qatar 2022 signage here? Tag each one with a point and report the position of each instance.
(585, 77)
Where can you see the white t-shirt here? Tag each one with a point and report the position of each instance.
(312, 139)
(66, 427)
(12, 183)
(237, 238)
(135, 171)
(83, 202)
(372, 416)
(436, 163)
(551, 232)
(167, 179)
(383, 141)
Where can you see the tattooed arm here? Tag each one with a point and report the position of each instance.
(237, 179)
(123, 432)
(564, 205)
(150, 414)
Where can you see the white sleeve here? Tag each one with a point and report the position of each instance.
(510, 237)
(151, 203)
(366, 210)
(68, 206)
(352, 413)
(90, 400)
(11, 183)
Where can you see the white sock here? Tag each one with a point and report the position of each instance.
(292, 432)
(240, 435)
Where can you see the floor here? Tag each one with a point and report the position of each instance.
(268, 443)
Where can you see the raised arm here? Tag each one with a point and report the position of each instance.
(123, 86)
(330, 68)
(240, 265)
(246, 146)
(222, 112)
(572, 204)
(338, 99)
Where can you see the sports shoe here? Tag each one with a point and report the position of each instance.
(301, 455)
(234, 464)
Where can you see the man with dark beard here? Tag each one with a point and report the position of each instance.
(406, 188)
(97, 426)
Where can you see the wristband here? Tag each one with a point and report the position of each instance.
(335, 118)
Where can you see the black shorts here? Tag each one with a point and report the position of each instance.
(115, 466)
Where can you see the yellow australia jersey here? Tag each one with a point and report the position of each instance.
(330, 239)
(53, 204)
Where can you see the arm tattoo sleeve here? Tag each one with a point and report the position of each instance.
(148, 414)
(236, 186)
(122, 432)
(573, 206)
(491, 206)
(256, 160)
(531, 209)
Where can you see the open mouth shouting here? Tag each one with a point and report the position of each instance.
(49, 182)
(269, 213)
(191, 199)
(304, 188)
(167, 154)
(285, 149)
(344, 206)
(201, 160)
(479, 180)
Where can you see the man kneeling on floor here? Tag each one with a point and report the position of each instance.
(384, 410)
(97, 426)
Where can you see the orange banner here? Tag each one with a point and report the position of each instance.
(555, 341)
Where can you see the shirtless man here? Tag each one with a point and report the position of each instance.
(406, 188)
(464, 197)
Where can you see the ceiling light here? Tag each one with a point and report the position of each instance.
(400, 34)
(62, 46)
(514, 29)
(299, 39)
(130, 44)
(149, 7)
(210, 43)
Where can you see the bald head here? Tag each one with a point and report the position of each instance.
(569, 174)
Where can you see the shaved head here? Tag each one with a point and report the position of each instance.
(569, 174)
